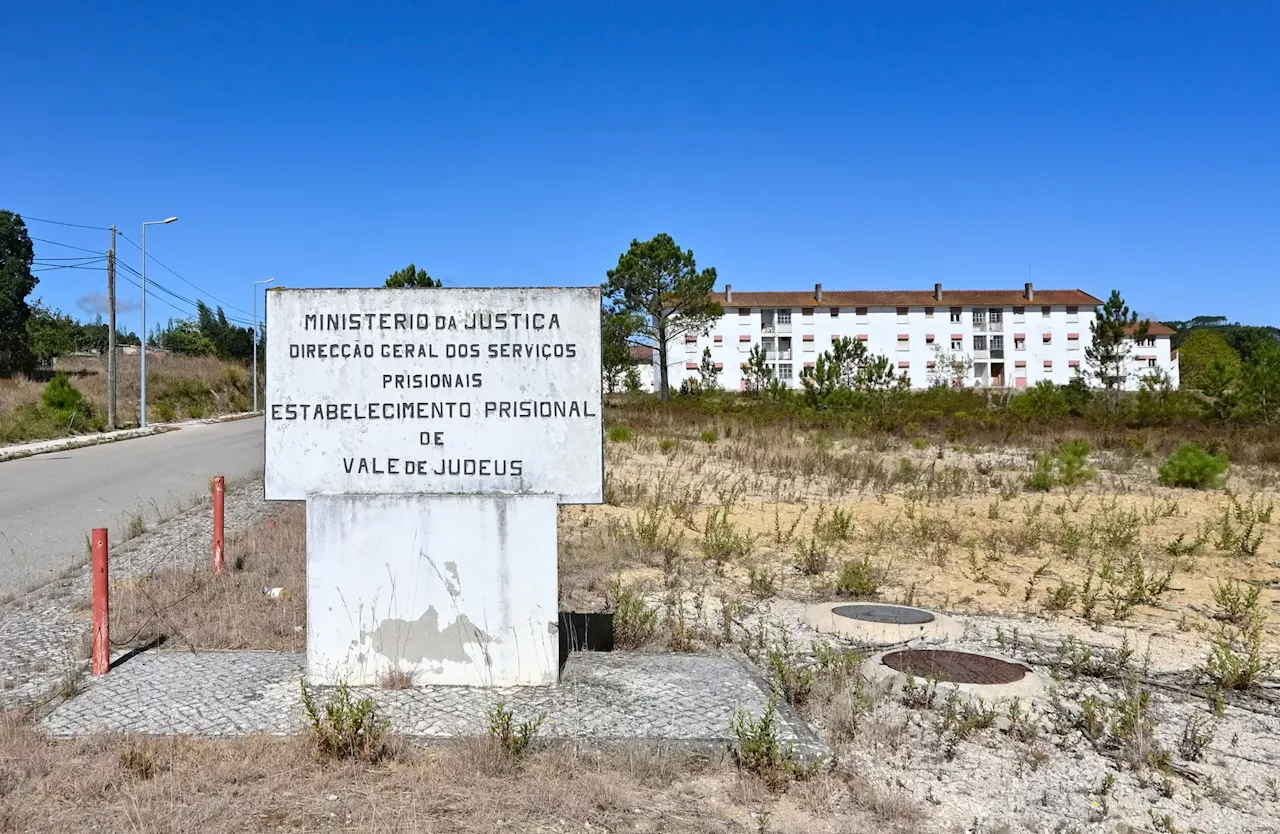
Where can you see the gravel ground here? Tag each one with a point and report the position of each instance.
(45, 633)
(1056, 781)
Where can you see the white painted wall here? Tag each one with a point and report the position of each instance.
(472, 447)
(454, 589)
(732, 336)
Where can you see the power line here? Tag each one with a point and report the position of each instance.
(194, 304)
(185, 281)
(60, 223)
(67, 245)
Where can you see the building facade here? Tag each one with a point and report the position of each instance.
(975, 338)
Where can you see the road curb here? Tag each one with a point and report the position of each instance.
(41, 447)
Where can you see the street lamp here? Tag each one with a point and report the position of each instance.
(144, 311)
(255, 340)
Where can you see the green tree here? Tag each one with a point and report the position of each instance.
(1200, 352)
(616, 329)
(708, 373)
(1260, 386)
(411, 276)
(756, 370)
(52, 333)
(1115, 330)
(182, 337)
(16, 283)
(659, 283)
(229, 341)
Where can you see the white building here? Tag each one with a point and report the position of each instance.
(1013, 338)
(646, 361)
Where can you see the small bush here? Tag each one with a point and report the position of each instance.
(759, 750)
(859, 579)
(635, 622)
(512, 739)
(1191, 466)
(346, 728)
(1067, 466)
(60, 395)
(165, 411)
(708, 436)
(620, 434)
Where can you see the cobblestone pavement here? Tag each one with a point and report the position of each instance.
(44, 634)
(604, 696)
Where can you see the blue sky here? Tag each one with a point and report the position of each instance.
(860, 144)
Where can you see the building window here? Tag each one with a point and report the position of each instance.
(979, 316)
(1048, 338)
(784, 316)
(904, 343)
(835, 312)
(979, 342)
(955, 314)
(1019, 343)
(1044, 311)
(1019, 311)
(766, 344)
(807, 311)
(1073, 342)
(957, 344)
(928, 312)
(861, 311)
(902, 312)
(995, 315)
(784, 371)
(744, 311)
(1073, 313)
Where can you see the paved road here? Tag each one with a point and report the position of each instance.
(50, 502)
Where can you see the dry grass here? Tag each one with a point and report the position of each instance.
(262, 784)
(178, 387)
(765, 511)
(200, 609)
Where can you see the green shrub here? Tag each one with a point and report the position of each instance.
(60, 395)
(708, 436)
(1042, 402)
(620, 434)
(859, 579)
(512, 739)
(346, 728)
(1191, 466)
(1068, 465)
(760, 751)
(635, 622)
(165, 411)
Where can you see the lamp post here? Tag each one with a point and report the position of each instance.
(255, 340)
(143, 418)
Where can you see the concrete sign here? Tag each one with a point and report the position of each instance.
(439, 391)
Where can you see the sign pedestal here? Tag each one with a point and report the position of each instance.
(451, 589)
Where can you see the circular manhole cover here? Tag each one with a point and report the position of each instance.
(954, 667)
(891, 614)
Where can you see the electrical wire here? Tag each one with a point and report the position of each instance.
(67, 245)
(60, 223)
(185, 281)
(194, 304)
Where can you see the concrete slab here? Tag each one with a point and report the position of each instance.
(602, 697)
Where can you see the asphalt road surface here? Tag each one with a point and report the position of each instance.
(50, 502)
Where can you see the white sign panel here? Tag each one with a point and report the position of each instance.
(437, 391)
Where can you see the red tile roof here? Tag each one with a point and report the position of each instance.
(907, 298)
(642, 353)
(1155, 328)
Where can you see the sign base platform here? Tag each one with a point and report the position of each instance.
(450, 589)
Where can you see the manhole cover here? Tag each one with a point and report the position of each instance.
(891, 614)
(954, 667)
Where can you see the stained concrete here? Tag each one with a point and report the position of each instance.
(452, 589)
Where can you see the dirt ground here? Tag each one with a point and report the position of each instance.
(1118, 587)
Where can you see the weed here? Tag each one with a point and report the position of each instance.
(346, 728)
(1237, 660)
(1034, 580)
(1060, 597)
(135, 526)
(512, 739)
(1238, 602)
(635, 622)
(708, 436)
(722, 541)
(396, 679)
(762, 582)
(620, 434)
(960, 720)
(859, 579)
(1197, 734)
(813, 557)
(759, 750)
(792, 680)
(919, 695)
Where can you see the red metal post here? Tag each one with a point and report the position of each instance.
(101, 605)
(219, 495)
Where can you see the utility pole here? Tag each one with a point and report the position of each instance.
(111, 333)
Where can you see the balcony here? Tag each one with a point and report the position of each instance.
(775, 328)
(776, 355)
(988, 327)
(997, 353)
